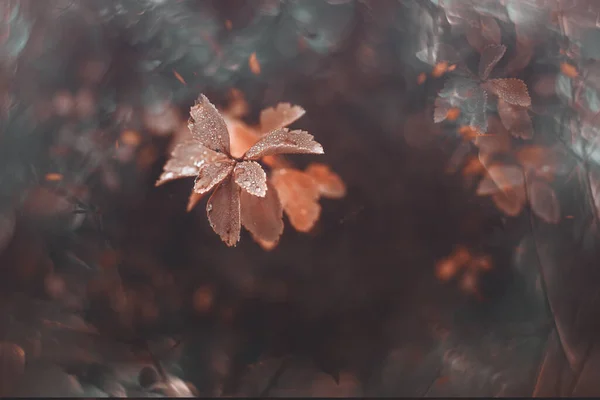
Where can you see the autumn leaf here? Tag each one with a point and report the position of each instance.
(299, 194)
(263, 218)
(223, 211)
(208, 126)
(486, 32)
(186, 159)
(250, 176)
(211, 175)
(280, 116)
(489, 58)
(506, 176)
(515, 119)
(511, 201)
(543, 201)
(284, 141)
(207, 156)
(512, 91)
(329, 183)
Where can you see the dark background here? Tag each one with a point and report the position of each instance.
(353, 307)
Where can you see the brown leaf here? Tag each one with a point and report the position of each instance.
(279, 116)
(223, 211)
(506, 176)
(284, 141)
(250, 176)
(262, 216)
(490, 56)
(487, 186)
(484, 33)
(515, 119)
(208, 126)
(513, 91)
(510, 201)
(329, 183)
(543, 201)
(186, 159)
(298, 193)
(193, 200)
(212, 174)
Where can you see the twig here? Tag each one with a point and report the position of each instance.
(275, 378)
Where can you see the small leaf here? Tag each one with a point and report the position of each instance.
(280, 116)
(543, 201)
(513, 91)
(262, 216)
(208, 126)
(515, 119)
(489, 58)
(329, 183)
(284, 141)
(186, 159)
(298, 193)
(223, 211)
(506, 176)
(250, 176)
(211, 175)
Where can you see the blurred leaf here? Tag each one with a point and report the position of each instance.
(543, 201)
(263, 217)
(490, 56)
(515, 119)
(12, 366)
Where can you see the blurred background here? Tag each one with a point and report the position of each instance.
(441, 272)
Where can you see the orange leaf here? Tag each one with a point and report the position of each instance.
(569, 70)
(223, 211)
(329, 183)
(298, 193)
(254, 64)
(262, 216)
(53, 177)
(241, 135)
(280, 116)
(439, 69)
